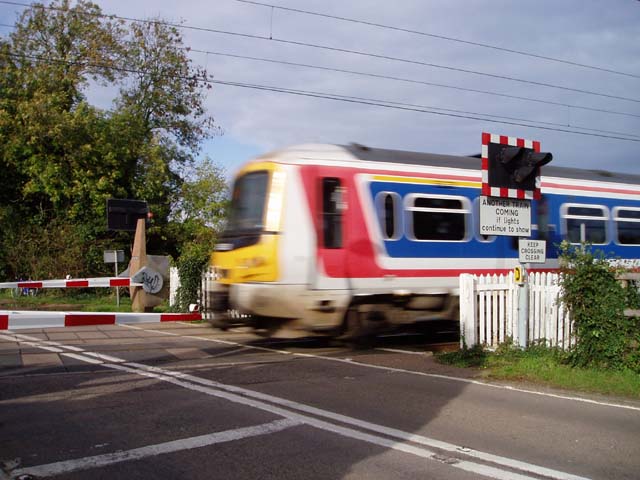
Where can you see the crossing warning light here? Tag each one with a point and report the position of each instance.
(521, 163)
(511, 167)
(123, 214)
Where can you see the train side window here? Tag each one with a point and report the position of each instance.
(627, 221)
(438, 218)
(389, 215)
(590, 219)
(332, 207)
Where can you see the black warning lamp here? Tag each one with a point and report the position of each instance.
(529, 163)
(515, 167)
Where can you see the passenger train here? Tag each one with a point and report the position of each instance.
(349, 240)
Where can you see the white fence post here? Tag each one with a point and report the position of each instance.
(468, 311)
(174, 283)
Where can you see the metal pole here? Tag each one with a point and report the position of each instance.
(523, 309)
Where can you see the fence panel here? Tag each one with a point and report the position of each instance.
(489, 310)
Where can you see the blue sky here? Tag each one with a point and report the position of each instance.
(605, 35)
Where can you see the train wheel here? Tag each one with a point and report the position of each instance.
(353, 325)
(356, 329)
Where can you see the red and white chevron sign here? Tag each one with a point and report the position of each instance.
(16, 320)
(74, 283)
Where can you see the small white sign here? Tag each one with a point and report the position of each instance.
(532, 251)
(113, 256)
(505, 216)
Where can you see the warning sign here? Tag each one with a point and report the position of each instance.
(532, 251)
(505, 216)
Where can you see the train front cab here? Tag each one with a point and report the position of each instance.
(247, 250)
(264, 262)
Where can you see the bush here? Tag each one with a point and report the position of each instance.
(606, 338)
(191, 264)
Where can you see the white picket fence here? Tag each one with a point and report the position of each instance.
(489, 311)
(208, 278)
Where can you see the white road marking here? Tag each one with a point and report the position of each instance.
(391, 432)
(396, 350)
(239, 395)
(83, 358)
(409, 372)
(106, 358)
(68, 466)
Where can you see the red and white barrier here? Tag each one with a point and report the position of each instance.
(74, 283)
(16, 320)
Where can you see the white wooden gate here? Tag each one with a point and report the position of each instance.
(489, 311)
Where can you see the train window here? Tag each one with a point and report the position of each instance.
(248, 202)
(332, 207)
(438, 218)
(586, 223)
(627, 222)
(387, 207)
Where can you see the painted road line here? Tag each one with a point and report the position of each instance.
(176, 378)
(391, 432)
(68, 466)
(408, 372)
(258, 400)
(55, 347)
(396, 350)
(84, 358)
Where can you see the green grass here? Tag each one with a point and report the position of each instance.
(546, 367)
(71, 300)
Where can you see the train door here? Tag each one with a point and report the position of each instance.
(332, 258)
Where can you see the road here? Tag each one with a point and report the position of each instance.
(186, 401)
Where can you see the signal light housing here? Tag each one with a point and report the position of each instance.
(511, 166)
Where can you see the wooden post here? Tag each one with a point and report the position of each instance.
(138, 260)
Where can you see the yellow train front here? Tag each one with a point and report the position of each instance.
(263, 263)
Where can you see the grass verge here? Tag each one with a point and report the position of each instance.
(544, 366)
(61, 300)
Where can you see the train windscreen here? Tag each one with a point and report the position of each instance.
(248, 202)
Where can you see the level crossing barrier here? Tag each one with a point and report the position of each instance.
(18, 320)
(73, 283)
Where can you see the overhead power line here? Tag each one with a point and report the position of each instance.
(401, 79)
(409, 80)
(440, 37)
(431, 110)
(350, 99)
(348, 51)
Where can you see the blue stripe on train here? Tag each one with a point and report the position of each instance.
(501, 246)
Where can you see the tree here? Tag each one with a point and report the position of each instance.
(62, 157)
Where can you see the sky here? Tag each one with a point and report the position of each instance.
(456, 68)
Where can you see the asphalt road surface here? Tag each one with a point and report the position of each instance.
(174, 401)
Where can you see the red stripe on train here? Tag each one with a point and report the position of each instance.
(4, 322)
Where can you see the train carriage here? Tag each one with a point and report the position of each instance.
(347, 240)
